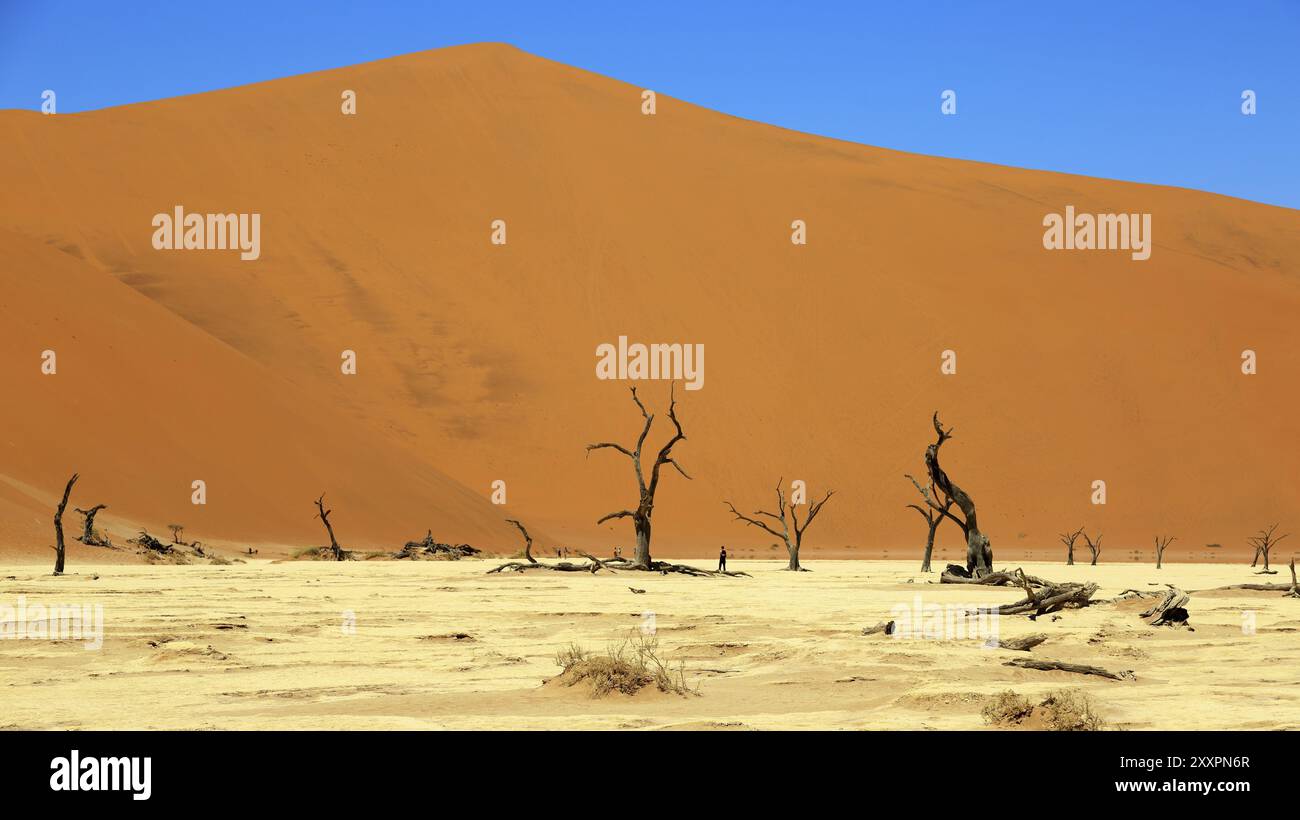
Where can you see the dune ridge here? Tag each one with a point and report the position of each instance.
(476, 362)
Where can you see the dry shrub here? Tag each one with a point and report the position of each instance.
(627, 667)
(1007, 708)
(1065, 710)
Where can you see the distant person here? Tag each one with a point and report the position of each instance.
(722, 559)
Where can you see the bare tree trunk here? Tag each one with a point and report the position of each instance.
(792, 543)
(60, 549)
(1161, 545)
(929, 544)
(646, 488)
(324, 516)
(979, 553)
(1068, 539)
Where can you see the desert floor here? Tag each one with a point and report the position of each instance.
(266, 645)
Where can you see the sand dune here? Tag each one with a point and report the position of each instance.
(442, 645)
(476, 362)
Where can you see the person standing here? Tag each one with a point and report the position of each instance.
(722, 559)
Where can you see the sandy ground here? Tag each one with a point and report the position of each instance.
(266, 645)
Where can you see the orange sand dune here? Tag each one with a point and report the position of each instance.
(477, 361)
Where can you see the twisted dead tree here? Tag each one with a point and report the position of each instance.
(1294, 592)
(791, 546)
(1162, 543)
(1263, 544)
(324, 515)
(528, 540)
(88, 536)
(646, 503)
(1068, 539)
(1170, 610)
(60, 550)
(932, 518)
(979, 555)
(1093, 546)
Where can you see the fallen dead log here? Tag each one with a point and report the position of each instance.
(993, 579)
(427, 547)
(1171, 610)
(1024, 644)
(886, 627)
(563, 566)
(1061, 666)
(1047, 600)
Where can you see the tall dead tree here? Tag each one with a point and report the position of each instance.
(979, 555)
(645, 505)
(932, 518)
(324, 515)
(528, 540)
(1068, 539)
(1263, 544)
(60, 550)
(1093, 547)
(176, 529)
(792, 543)
(88, 536)
(1161, 544)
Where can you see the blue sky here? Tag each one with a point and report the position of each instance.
(1127, 89)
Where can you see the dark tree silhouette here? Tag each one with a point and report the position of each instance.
(1068, 539)
(1162, 543)
(931, 515)
(1264, 543)
(979, 555)
(528, 540)
(88, 535)
(60, 550)
(792, 543)
(324, 515)
(646, 488)
(1093, 546)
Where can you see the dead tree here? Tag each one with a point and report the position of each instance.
(1294, 592)
(528, 540)
(1068, 539)
(1263, 544)
(60, 550)
(645, 505)
(791, 546)
(1093, 546)
(1161, 544)
(176, 529)
(979, 555)
(88, 536)
(324, 515)
(1171, 610)
(932, 518)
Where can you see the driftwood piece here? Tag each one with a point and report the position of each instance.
(1061, 666)
(887, 627)
(1171, 609)
(1024, 644)
(429, 547)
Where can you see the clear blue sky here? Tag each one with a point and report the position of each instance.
(1128, 89)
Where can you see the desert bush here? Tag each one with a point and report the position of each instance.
(1006, 708)
(1065, 710)
(626, 667)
